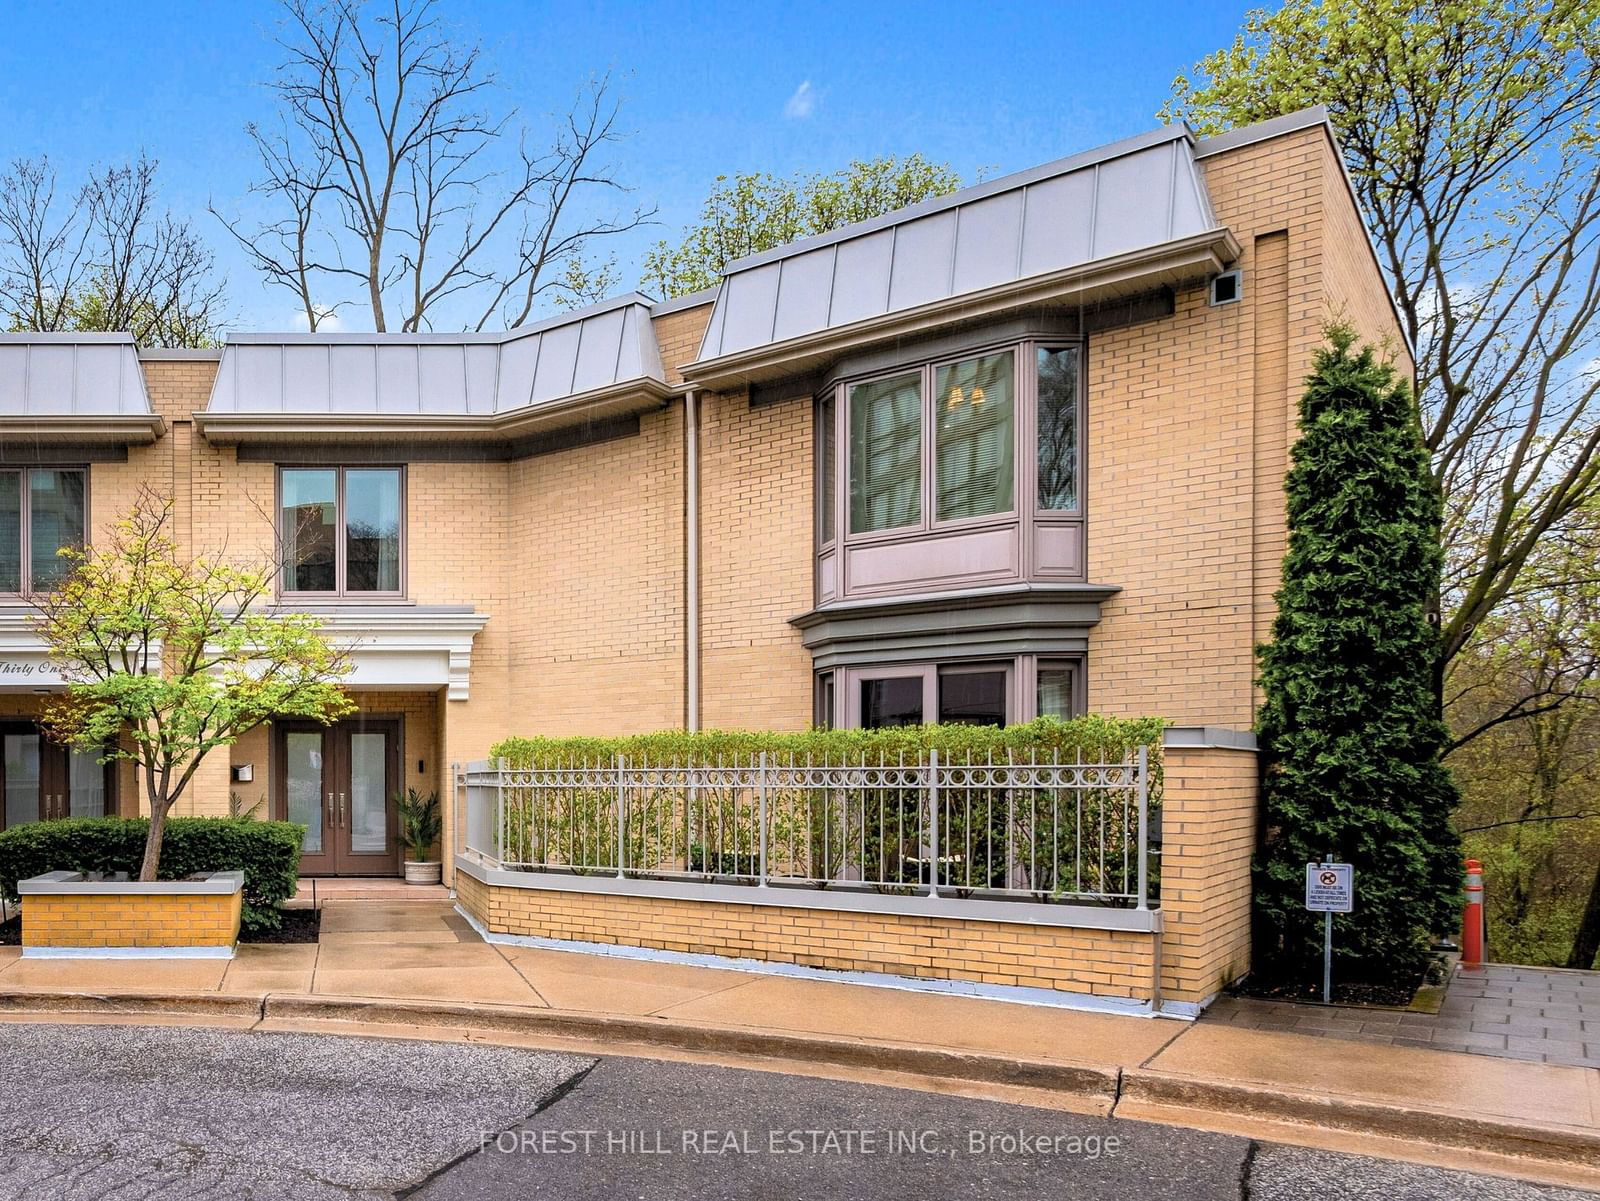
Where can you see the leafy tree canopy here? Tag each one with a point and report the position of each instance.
(167, 658)
(746, 214)
(1468, 128)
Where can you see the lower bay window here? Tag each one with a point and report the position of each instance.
(982, 693)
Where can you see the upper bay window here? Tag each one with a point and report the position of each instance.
(956, 472)
(341, 530)
(42, 509)
(1056, 380)
(945, 440)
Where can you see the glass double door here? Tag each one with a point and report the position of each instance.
(43, 780)
(338, 781)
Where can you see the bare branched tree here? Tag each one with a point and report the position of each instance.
(104, 258)
(401, 190)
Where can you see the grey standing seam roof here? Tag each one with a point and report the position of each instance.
(71, 375)
(605, 346)
(1131, 195)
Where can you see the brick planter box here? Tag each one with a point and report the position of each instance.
(65, 916)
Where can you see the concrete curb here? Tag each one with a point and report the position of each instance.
(1083, 1080)
(1166, 1092)
(1131, 1092)
(201, 1004)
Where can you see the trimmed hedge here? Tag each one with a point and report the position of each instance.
(267, 852)
(1095, 738)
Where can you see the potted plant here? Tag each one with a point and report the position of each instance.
(420, 827)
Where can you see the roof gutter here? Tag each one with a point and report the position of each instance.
(1178, 261)
(616, 400)
(118, 429)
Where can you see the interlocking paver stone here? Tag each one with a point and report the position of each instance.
(1509, 1012)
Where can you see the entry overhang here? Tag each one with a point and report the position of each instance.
(410, 647)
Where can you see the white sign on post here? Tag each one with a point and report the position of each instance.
(1330, 887)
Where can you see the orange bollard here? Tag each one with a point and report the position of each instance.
(1472, 927)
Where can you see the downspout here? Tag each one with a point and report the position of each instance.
(691, 558)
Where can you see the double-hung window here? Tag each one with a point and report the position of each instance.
(42, 510)
(341, 530)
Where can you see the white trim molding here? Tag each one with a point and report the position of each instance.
(25, 664)
(404, 646)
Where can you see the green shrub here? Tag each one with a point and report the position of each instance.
(1095, 738)
(1350, 726)
(268, 853)
(811, 835)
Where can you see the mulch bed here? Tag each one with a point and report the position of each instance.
(1398, 994)
(11, 933)
(299, 925)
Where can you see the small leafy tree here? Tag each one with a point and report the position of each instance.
(746, 214)
(167, 658)
(1350, 725)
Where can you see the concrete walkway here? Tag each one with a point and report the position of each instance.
(414, 968)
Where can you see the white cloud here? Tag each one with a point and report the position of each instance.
(802, 103)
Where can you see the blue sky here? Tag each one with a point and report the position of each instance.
(707, 88)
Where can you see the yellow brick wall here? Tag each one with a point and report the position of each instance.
(1103, 963)
(1209, 829)
(1355, 290)
(755, 569)
(679, 335)
(1190, 420)
(596, 609)
(129, 920)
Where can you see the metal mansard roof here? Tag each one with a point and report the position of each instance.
(1136, 195)
(73, 387)
(589, 355)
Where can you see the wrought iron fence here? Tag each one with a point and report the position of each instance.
(989, 829)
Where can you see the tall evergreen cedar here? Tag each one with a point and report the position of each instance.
(1350, 726)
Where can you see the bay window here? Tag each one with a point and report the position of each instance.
(989, 692)
(42, 509)
(886, 453)
(341, 529)
(959, 472)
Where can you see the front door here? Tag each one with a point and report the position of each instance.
(43, 780)
(337, 781)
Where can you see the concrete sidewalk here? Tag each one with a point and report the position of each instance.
(417, 969)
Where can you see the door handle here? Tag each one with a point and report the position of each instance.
(331, 812)
(341, 810)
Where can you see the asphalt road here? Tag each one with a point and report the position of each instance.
(166, 1113)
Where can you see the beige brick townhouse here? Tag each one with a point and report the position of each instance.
(1015, 451)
